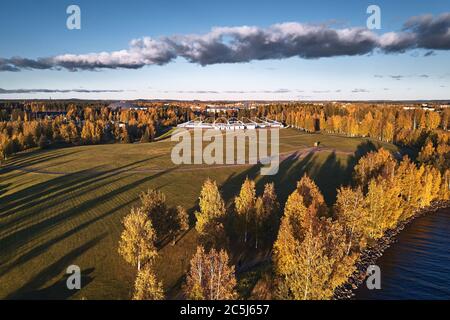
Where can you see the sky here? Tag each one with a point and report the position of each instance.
(233, 50)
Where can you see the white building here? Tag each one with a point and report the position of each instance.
(230, 124)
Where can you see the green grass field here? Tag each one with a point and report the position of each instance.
(64, 206)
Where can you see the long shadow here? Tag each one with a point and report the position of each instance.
(290, 171)
(3, 188)
(329, 175)
(32, 155)
(14, 241)
(58, 290)
(79, 174)
(32, 288)
(34, 159)
(34, 195)
(62, 197)
(362, 149)
(36, 251)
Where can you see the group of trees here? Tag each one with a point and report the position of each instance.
(392, 191)
(145, 229)
(252, 219)
(387, 123)
(317, 247)
(310, 254)
(256, 216)
(211, 276)
(27, 126)
(92, 122)
(412, 127)
(436, 151)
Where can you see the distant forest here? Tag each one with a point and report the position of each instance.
(44, 123)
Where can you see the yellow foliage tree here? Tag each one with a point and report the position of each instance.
(350, 212)
(312, 267)
(136, 243)
(212, 212)
(210, 276)
(431, 185)
(245, 204)
(312, 197)
(383, 205)
(146, 286)
(373, 165)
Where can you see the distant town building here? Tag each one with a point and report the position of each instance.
(49, 114)
(218, 109)
(225, 108)
(125, 105)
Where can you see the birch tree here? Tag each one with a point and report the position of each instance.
(210, 218)
(136, 243)
(350, 212)
(146, 286)
(210, 276)
(245, 204)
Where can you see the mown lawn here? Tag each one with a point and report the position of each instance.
(64, 206)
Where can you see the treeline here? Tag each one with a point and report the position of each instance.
(413, 128)
(86, 125)
(426, 132)
(315, 248)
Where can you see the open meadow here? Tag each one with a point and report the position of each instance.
(64, 206)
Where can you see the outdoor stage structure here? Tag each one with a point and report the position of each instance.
(224, 123)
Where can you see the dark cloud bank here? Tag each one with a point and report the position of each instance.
(14, 91)
(244, 44)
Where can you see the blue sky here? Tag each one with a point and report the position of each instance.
(35, 29)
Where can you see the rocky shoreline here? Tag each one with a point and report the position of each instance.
(371, 254)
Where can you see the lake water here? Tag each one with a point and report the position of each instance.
(417, 266)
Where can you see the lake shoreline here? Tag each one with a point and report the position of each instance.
(370, 255)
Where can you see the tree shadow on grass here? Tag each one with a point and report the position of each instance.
(328, 174)
(41, 248)
(62, 185)
(32, 289)
(58, 290)
(33, 158)
(4, 187)
(14, 241)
